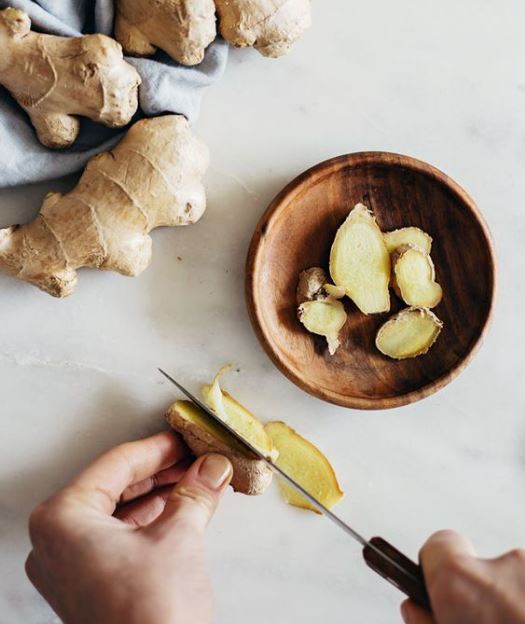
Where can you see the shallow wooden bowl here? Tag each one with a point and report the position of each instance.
(297, 231)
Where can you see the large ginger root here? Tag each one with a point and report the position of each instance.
(271, 26)
(360, 262)
(319, 311)
(203, 435)
(409, 333)
(151, 178)
(54, 79)
(413, 277)
(182, 28)
(408, 236)
(305, 463)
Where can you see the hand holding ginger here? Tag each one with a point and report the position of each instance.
(123, 542)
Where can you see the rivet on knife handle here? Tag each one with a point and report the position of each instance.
(406, 575)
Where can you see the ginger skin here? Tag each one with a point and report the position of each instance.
(182, 28)
(151, 178)
(54, 79)
(270, 26)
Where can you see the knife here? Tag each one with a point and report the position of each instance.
(378, 554)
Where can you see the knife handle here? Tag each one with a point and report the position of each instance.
(406, 575)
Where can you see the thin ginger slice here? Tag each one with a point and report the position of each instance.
(324, 317)
(203, 435)
(305, 463)
(413, 277)
(360, 262)
(407, 236)
(237, 417)
(409, 333)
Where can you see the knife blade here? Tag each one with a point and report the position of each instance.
(379, 555)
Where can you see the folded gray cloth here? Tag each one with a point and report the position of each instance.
(166, 87)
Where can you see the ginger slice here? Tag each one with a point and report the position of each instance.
(407, 236)
(360, 262)
(324, 317)
(413, 277)
(250, 475)
(409, 333)
(305, 463)
(318, 310)
(237, 417)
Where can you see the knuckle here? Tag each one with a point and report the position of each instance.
(41, 518)
(517, 555)
(190, 494)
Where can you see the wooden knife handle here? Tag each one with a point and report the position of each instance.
(406, 575)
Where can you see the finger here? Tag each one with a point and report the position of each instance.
(169, 476)
(442, 548)
(102, 483)
(143, 511)
(192, 502)
(412, 614)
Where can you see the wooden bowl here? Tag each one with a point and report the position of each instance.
(297, 231)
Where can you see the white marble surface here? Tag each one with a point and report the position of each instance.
(444, 82)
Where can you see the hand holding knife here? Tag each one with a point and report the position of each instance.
(378, 554)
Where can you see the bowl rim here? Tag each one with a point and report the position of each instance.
(254, 265)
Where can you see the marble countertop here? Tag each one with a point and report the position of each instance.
(444, 82)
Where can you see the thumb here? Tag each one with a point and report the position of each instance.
(194, 499)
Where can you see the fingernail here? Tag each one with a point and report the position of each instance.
(405, 612)
(215, 470)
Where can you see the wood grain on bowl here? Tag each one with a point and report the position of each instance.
(297, 231)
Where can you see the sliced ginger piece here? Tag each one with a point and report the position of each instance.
(360, 262)
(413, 277)
(237, 417)
(408, 236)
(409, 333)
(318, 310)
(203, 435)
(324, 317)
(305, 463)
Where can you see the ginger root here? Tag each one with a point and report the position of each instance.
(409, 333)
(360, 262)
(270, 26)
(408, 236)
(305, 463)
(250, 475)
(413, 277)
(182, 28)
(150, 179)
(54, 79)
(319, 311)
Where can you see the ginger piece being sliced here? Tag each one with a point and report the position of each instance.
(318, 311)
(360, 262)
(270, 26)
(409, 333)
(237, 417)
(250, 475)
(305, 463)
(54, 79)
(152, 178)
(408, 236)
(182, 28)
(413, 277)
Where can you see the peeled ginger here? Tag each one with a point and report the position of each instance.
(409, 333)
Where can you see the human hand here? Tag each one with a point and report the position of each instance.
(466, 590)
(121, 544)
